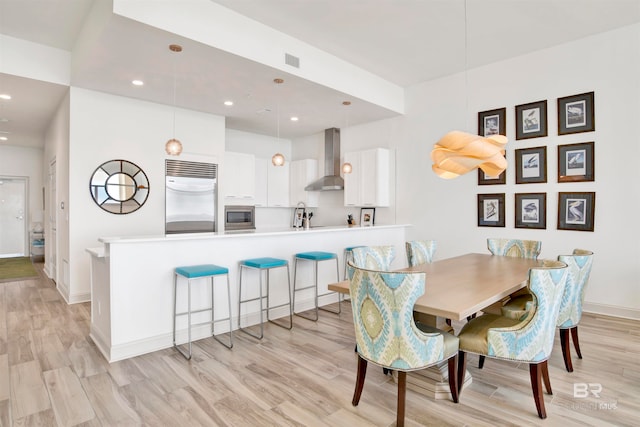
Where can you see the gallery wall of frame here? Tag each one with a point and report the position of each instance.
(576, 163)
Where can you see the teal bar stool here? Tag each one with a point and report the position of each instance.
(264, 264)
(199, 272)
(314, 257)
(348, 256)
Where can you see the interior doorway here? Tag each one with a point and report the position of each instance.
(13, 216)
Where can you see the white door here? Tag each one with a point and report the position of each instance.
(13, 214)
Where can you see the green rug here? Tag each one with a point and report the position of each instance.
(18, 268)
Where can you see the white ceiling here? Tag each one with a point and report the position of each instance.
(403, 41)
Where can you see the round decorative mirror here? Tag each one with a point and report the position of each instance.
(119, 187)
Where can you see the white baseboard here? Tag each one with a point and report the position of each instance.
(136, 348)
(77, 298)
(611, 310)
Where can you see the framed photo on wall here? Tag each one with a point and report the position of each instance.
(491, 210)
(484, 179)
(492, 122)
(576, 211)
(531, 165)
(531, 210)
(576, 162)
(367, 217)
(531, 120)
(576, 114)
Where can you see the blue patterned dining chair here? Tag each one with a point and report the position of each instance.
(374, 257)
(523, 341)
(420, 252)
(579, 263)
(386, 334)
(513, 248)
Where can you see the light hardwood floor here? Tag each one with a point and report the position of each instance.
(52, 374)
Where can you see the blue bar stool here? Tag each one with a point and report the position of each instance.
(314, 257)
(348, 256)
(199, 272)
(262, 264)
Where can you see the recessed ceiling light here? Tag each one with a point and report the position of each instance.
(294, 119)
(3, 138)
(137, 82)
(228, 103)
(5, 96)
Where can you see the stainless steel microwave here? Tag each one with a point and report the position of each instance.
(239, 218)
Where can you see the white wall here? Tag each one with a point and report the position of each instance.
(57, 150)
(106, 127)
(609, 65)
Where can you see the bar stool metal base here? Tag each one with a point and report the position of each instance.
(315, 257)
(264, 264)
(209, 271)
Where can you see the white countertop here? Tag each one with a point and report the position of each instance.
(248, 233)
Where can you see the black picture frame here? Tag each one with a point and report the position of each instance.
(367, 217)
(531, 165)
(492, 122)
(531, 210)
(491, 210)
(576, 211)
(576, 113)
(531, 120)
(484, 179)
(576, 162)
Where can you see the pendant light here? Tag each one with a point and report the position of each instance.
(346, 166)
(278, 158)
(173, 147)
(458, 153)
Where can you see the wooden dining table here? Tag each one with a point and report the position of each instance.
(456, 288)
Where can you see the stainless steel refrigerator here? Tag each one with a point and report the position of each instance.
(190, 197)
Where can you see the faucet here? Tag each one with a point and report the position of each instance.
(297, 215)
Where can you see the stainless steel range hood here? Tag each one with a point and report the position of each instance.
(332, 179)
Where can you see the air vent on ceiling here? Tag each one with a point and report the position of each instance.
(289, 59)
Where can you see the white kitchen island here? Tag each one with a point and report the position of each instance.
(132, 279)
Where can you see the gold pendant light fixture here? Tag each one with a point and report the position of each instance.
(346, 166)
(458, 153)
(278, 158)
(173, 147)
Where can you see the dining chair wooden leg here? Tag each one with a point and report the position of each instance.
(402, 395)
(362, 372)
(453, 377)
(481, 362)
(576, 343)
(545, 377)
(462, 368)
(566, 349)
(535, 372)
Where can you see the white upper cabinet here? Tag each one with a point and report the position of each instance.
(261, 182)
(368, 183)
(272, 184)
(239, 180)
(301, 174)
(277, 185)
